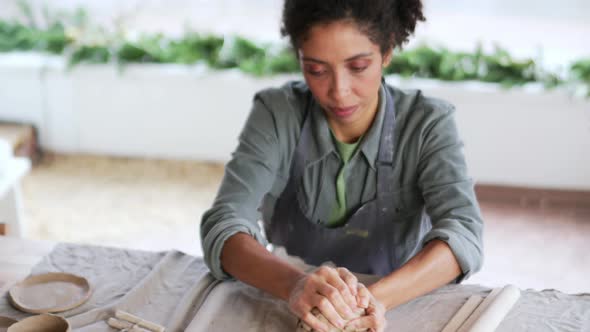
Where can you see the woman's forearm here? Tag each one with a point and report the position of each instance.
(431, 268)
(247, 260)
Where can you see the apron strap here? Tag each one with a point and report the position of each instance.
(299, 158)
(385, 176)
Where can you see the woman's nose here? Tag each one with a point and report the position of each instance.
(340, 87)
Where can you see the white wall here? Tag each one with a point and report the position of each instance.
(515, 137)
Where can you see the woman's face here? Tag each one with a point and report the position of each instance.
(342, 68)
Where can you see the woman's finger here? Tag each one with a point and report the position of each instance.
(333, 278)
(376, 307)
(377, 310)
(337, 301)
(327, 309)
(370, 322)
(349, 278)
(314, 322)
(363, 296)
(364, 322)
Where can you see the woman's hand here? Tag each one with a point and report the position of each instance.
(374, 319)
(333, 291)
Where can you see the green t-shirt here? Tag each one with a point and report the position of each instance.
(346, 151)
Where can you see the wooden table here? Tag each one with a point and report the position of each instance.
(17, 257)
(172, 282)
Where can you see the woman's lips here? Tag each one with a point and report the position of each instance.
(343, 112)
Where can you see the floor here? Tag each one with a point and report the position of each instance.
(156, 205)
(17, 257)
(539, 248)
(144, 204)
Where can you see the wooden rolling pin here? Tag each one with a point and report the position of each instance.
(125, 325)
(139, 321)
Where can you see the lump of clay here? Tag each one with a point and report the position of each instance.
(302, 327)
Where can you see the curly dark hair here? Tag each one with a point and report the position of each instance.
(387, 23)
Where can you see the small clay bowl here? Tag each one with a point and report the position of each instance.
(5, 323)
(50, 293)
(41, 323)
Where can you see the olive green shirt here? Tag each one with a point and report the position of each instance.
(339, 213)
(430, 172)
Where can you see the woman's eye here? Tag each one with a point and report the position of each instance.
(315, 72)
(358, 69)
(358, 66)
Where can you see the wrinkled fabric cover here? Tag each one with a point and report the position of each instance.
(176, 290)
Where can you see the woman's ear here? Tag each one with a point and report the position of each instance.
(387, 57)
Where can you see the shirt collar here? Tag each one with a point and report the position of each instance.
(323, 144)
(320, 131)
(372, 139)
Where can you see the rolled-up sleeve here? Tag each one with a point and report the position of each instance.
(448, 192)
(248, 176)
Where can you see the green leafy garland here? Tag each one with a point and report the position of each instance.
(71, 37)
(580, 72)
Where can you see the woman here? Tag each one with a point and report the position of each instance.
(348, 169)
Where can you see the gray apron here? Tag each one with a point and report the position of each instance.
(374, 240)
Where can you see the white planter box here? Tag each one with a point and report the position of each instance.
(164, 111)
(21, 90)
(523, 136)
